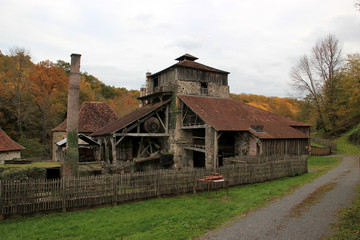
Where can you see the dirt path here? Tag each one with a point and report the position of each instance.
(276, 221)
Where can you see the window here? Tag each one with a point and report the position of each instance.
(204, 87)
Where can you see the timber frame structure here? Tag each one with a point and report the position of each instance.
(186, 113)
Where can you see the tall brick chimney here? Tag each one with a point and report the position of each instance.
(70, 167)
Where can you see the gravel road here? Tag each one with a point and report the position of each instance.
(275, 221)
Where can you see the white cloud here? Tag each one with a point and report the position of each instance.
(257, 41)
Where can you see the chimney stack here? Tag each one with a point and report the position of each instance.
(70, 167)
(148, 74)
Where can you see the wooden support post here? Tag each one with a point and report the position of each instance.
(63, 181)
(115, 188)
(113, 148)
(107, 159)
(216, 149)
(167, 118)
(2, 197)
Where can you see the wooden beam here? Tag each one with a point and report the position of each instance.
(119, 140)
(157, 114)
(193, 148)
(142, 134)
(167, 118)
(193, 126)
(216, 149)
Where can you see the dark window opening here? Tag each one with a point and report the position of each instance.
(86, 155)
(156, 83)
(199, 159)
(227, 144)
(204, 87)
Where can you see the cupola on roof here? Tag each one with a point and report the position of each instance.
(186, 57)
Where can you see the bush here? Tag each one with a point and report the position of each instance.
(14, 174)
(33, 148)
(355, 137)
(23, 173)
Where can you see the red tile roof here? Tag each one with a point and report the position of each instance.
(92, 116)
(128, 119)
(7, 144)
(232, 115)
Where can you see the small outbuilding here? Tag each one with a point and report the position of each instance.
(9, 149)
(92, 116)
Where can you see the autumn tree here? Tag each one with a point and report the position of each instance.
(16, 69)
(316, 76)
(46, 80)
(348, 103)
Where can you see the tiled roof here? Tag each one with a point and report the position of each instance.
(128, 119)
(232, 115)
(92, 116)
(7, 144)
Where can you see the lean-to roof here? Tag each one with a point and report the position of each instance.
(128, 119)
(232, 115)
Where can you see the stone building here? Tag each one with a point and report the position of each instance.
(9, 149)
(186, 113)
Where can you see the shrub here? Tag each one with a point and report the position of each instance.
(355, 137)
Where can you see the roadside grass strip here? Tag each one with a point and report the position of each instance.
(311, 199)
(348, 226)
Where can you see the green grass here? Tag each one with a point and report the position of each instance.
(348, 226)
(34, 164)
(314, 144)
(167, 218)
(345, 147)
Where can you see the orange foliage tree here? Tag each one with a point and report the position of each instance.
(45, 82)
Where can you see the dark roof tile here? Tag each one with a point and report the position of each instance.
(92, 116)
(7, 144)
(232, 115)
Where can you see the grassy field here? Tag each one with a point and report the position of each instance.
(181, 217)
(345, 147)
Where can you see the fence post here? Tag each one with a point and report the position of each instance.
(63, 188)
(1, 200)
(194, 181)
(157, 183)
(114, 180)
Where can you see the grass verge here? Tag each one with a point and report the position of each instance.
(348, 226)
(345, 147)
(167, 218)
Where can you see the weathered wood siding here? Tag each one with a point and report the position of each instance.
(285, 147)
(189, 74)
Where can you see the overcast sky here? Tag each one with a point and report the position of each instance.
(256, 41)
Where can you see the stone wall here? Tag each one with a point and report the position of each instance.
(242, 147)
(194, 88)
(209, 147)
(57, 136)
(9, 155)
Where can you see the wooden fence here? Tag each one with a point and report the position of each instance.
(32, 196)
(320, 151)
(325, 142)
